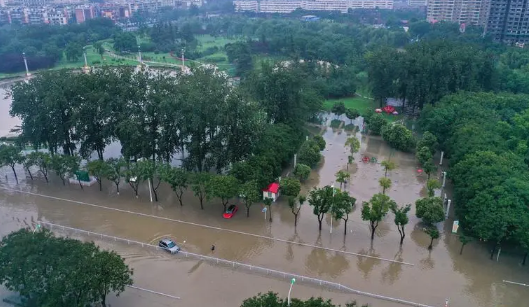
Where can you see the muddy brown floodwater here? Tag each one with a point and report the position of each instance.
(415, 274)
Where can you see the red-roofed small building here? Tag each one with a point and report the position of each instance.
(272, 191)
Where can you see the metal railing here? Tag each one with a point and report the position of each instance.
(249, 267)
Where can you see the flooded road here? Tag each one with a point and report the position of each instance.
(411, 272)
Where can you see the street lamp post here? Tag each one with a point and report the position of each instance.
(290, 290)
(25, 63)
(331, 206)
(149, 181)
(139, 54)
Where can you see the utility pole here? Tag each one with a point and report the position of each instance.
(25, 63)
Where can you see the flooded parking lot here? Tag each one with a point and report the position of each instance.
(412, 272)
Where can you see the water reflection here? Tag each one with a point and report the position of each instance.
(366, 265)
(393, 271)
(325, 263)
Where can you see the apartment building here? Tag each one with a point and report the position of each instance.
(508, 21)
(85, 12)
(417, 3)
(472, 12)
(286, 6)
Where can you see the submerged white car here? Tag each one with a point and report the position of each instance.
(169, 246)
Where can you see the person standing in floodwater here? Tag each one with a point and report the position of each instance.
(212, 248)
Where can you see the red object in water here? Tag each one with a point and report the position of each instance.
(419, 171)
(389, 109)
(365, 159)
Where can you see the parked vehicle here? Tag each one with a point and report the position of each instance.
(230, 212)
(169, 245)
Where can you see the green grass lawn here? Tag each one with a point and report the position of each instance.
(206, 41)
(363, 105)
(357, 102)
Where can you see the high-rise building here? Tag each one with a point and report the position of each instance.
(288, 6)
(508, 20)
(417, 2)
(472, 12)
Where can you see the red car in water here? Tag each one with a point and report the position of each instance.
(230, 212)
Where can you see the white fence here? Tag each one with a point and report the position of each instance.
(235, 264)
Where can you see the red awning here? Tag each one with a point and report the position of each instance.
(273, 188)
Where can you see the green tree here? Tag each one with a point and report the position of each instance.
(342, 206)
(116, 170)
(133, 176)
(73, 166)
(68, 272)
(433, 233)
(464, 241)
(424, 155)
(295, 209)
(250, 194)
(125, 42)
(320, 141)
(430, 210)
(429, 168)
(302, 171)
(268, 203)
(398, 137)
(350, 160)
(28, 163)
(42, 161)
(99, 169)
(200, 186)
(388, 165)
(429, 141)
(148, 170)
(10, 156)
(431, 186)
(178, 179)
(224, 187)
(73, 52)
(401, 219)
(354, 144)
(60, 166)
(342, 177)
(375, 210)
(309, 153)
(290, 187)
(272, 299)
(352, 114)
(376, 123)
(385, 183)
(320, 199)
(338, 108)
(99, 49)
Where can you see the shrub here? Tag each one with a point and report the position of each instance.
(398, 137)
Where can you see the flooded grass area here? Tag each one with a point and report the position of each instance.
(409, 272)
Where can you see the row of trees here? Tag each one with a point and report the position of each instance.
(155, 115)
(44, 45)
(485, 137)
(54, 271)
(272, 299)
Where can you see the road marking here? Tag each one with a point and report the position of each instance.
(155, 292)
(515, 283)
(207, 226)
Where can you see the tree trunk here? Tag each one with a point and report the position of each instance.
(14, 172)
(247, 211)
(79, 180)
(492, 252)
(402, 233)
(45, 177)
(373, 228)
(201, 203)
(179, 196)
(319, 222)
(224, 204)
(154, 189)
(29, 172)
(345, 228)
(385, 172)
(63, 182)
(270, 215)
(100, 184)
(524, 258)
(295, 220)
(117, 186)
(461, 250)
(384, 190)
(431, 244)
(103, 300)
